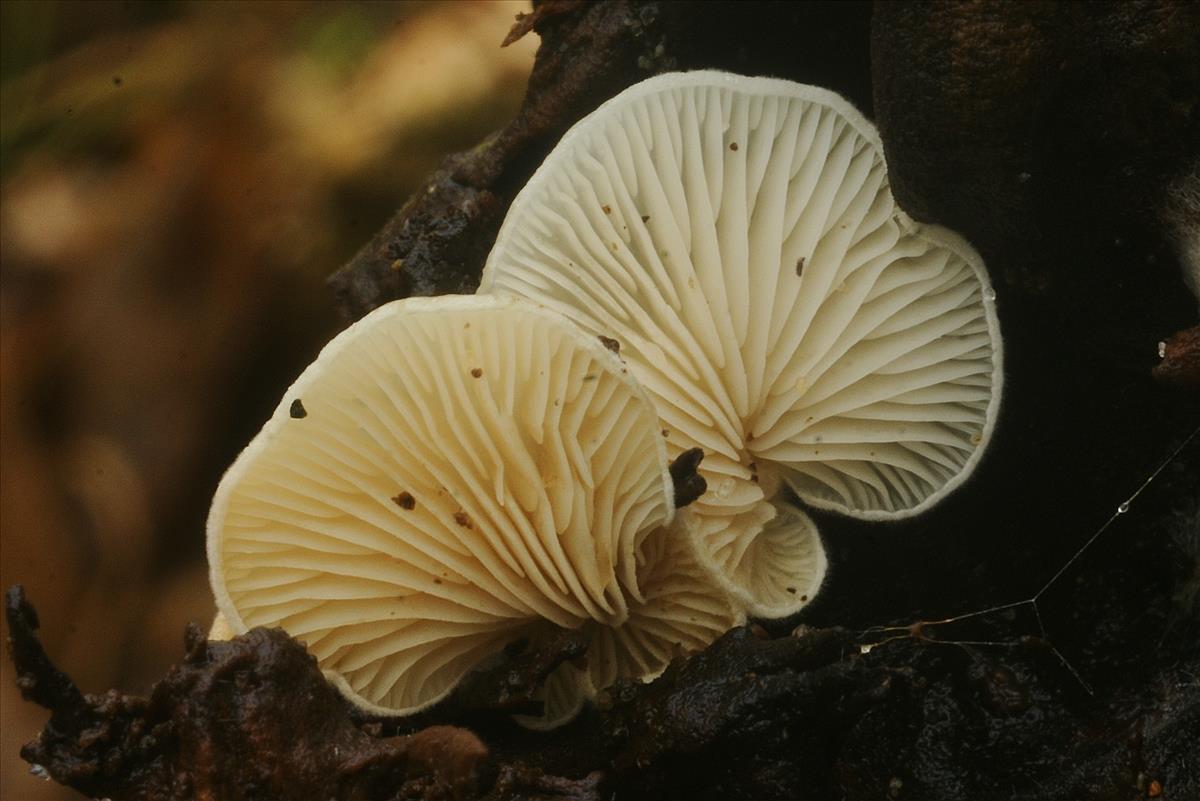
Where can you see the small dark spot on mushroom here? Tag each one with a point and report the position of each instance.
(666, 433)
(792, 590)
(118, 80)
(610, 343)
(590, 377)
(803, 597)
(437, 581)
(477, 372)
(800, 267)
(466, 326)
(297, 410)
(645, 218)
(733, 146)
(463, 519)
(607, 208)
(405, 500)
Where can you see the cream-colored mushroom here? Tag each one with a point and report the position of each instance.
(680, 612)
(449, 474)
(738, 238)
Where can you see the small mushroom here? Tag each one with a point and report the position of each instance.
(679, 612)
(537, 496)
(781, 310)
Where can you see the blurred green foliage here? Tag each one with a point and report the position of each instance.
(340, 40)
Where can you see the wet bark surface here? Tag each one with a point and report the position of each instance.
(1084, 679)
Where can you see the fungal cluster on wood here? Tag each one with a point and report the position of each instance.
(1086, 688)
(538, 492)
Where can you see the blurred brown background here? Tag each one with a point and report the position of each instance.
(177, 181)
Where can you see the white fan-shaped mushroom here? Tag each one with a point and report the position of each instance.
(449, 472)
(680, 612)
(738, 238)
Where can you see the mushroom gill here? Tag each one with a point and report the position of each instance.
(738, 238)
(680, 611)
(465, 469)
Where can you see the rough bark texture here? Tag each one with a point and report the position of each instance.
(1046, 132)
(1095, 696)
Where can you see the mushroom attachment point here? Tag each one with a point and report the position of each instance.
(738, 236)
(528, 496)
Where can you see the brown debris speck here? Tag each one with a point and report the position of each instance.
(529, 22)
(1180, 365)
(297, 410)
(463, 519)
(405, 500)
(607, 208)
(800, 267)
(476, 372)
(733, 146)
(610, 343)
(688, 483)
